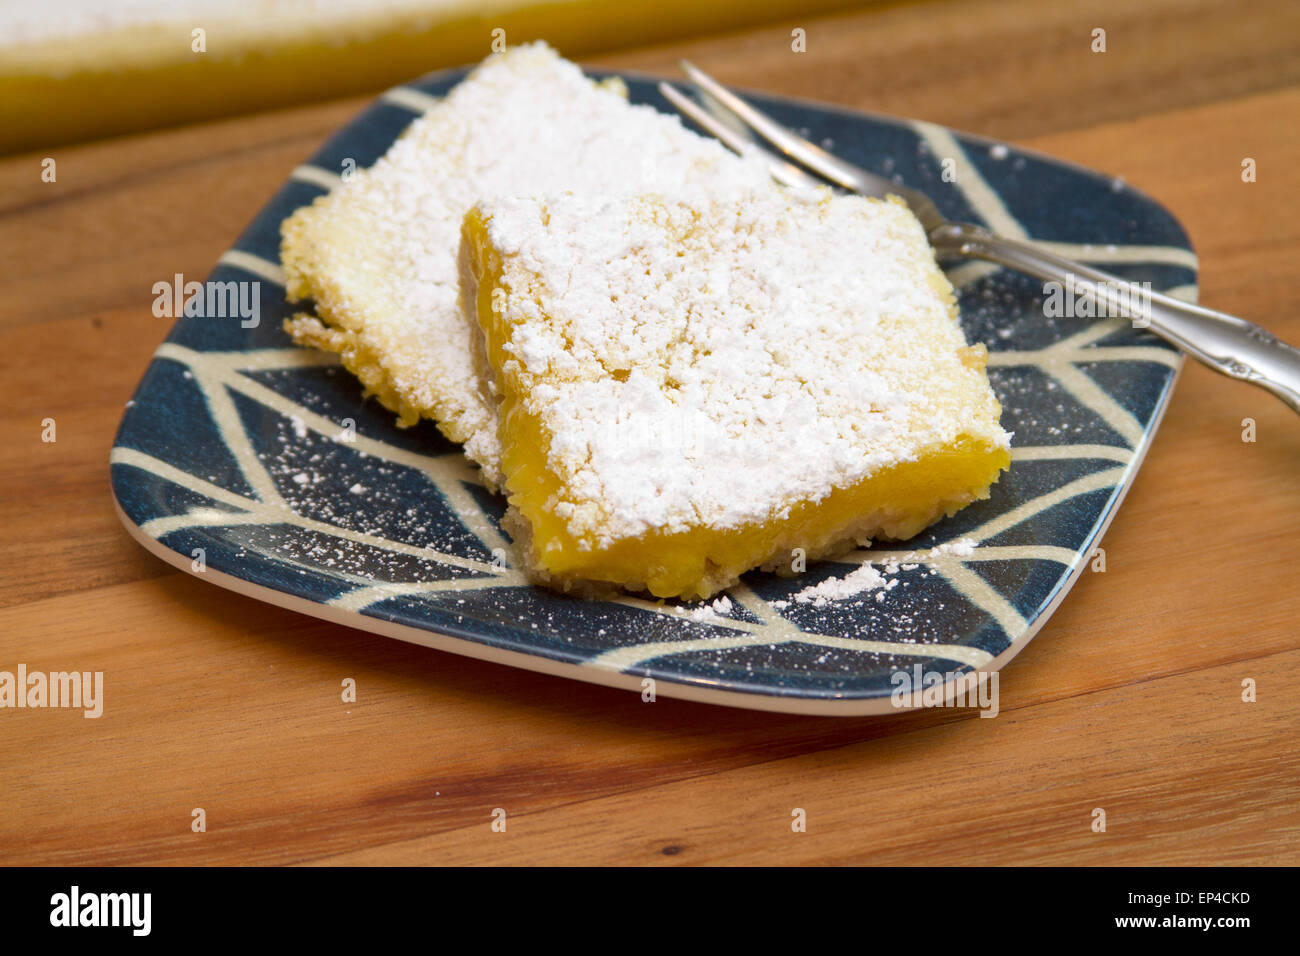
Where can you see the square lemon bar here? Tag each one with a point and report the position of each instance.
(378, 253)
(691, 388)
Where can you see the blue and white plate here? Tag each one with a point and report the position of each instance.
(259, 465)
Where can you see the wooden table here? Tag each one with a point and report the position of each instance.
(1130, 699)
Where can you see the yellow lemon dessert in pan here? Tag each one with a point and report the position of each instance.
(690, 388)
(378, 254)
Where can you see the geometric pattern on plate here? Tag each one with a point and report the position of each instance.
(232, 444)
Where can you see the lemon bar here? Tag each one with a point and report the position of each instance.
(689, 390)
(378, 253)
(84, 69)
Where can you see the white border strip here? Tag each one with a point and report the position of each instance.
(410, 99)
(317, 176)
(263, 268)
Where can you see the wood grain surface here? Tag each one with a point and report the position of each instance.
(1130, 699)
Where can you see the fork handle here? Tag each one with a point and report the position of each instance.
(1227, 344)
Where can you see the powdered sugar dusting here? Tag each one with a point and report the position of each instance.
(865, 578)
(963, 547)
(704, 613)
(712, 363)
(869, 578)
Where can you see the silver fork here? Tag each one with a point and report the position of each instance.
(1227, 344)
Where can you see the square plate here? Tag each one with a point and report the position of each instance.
(260, 466)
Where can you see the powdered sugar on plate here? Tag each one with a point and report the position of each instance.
(704, 613)
(868, 578)
(865, 578)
